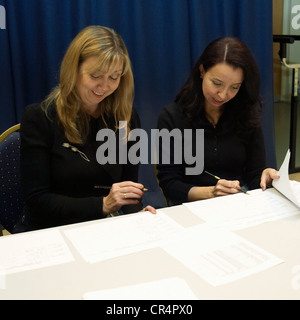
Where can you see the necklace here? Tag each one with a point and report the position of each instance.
(213, 117)
(74, 149)
(212, 121)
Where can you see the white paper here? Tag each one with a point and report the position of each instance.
(166, 289)
(219, 256)
(122, 235)
(240, 211)
(281, 206)
(234, 212)
(283, 184)
(27, 251)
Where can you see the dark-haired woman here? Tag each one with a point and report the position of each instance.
(222, 97)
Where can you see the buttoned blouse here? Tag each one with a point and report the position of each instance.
(226, 154)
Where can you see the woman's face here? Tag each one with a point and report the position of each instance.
(220, 84)
(95, 87)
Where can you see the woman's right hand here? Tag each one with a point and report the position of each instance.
(121, 194)
(222, 188)
(226, 187)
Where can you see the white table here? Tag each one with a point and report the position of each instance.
(72, 280)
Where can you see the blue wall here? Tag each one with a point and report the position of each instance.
(164, 39)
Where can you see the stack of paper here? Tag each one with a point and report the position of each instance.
(283, 185)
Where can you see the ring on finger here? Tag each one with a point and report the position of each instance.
(124, 195)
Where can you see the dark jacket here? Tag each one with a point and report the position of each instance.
(59, 185)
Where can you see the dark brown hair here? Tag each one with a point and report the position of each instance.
(247, 104)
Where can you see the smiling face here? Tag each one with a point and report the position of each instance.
(220, 84)
(94, 87)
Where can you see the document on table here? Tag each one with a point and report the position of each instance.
(165, 289)
(219, 256)
(28, 251)
(241, 211)
(284, 184)
(122, 235)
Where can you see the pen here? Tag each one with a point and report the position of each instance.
(243, 188)
(109, 187)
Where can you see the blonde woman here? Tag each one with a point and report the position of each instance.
(62, 180)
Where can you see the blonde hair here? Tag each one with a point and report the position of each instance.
(108, 46)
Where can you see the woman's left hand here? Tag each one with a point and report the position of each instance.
(267, 176)
(149, 208)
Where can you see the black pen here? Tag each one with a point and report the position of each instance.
(109, 187)
(243, 188)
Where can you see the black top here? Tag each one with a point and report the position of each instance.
(58, 183)
(226, 155)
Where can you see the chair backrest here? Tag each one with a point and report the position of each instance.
(11, 200)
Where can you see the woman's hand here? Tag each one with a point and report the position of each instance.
(226, 187)
(222, 188)
(121, 194)
(267, 176)
(149, 208)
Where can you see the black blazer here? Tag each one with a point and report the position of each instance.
(58, 183)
